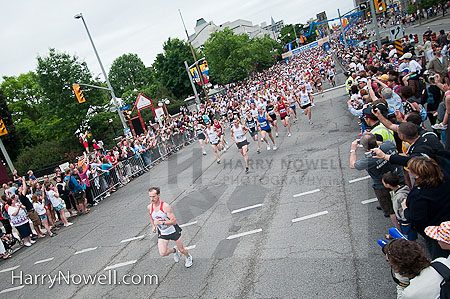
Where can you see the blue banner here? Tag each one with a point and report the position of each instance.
(125, 107)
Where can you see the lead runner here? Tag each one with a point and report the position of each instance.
(164, 222)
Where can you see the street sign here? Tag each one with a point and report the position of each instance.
(363, 6)
(395, 32)
(398, 46)
(3, 130)
(125, 107)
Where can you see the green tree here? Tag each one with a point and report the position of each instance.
(24, 98)
(265, 52)
(229, 56)
(57, 72)
(127, 73)
(11, 140)
(170, 69)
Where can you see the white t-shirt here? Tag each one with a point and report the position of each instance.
(39, 208)
(56, 201)
(414, 66)
(20, 218)
(426, 284)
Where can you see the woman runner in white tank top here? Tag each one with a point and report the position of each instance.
(238, 132)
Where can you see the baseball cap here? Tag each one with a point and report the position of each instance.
(384, 77)
(406, 56)
(367, 112)
(439, 233)
(362, 80)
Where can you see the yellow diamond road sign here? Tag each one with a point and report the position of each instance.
(3, 130)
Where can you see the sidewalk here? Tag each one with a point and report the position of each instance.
(427, 21)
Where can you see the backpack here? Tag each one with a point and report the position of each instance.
(69, 184)
(444, 271)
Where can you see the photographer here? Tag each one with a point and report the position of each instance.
(432, 96)
(376, 169)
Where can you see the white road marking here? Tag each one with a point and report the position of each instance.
(359, 179)
(246, 208)
(307, 192)
(189, 247)
(86, 250)
(120, 265)
(364, 202)
(309, 216)
(245, 234)
(189, 223)
(43, 261)
(132, 239)
(9, 269)
(11, 289)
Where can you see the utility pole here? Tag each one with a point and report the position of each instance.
(197, 100)
(7, 158)
(375, 23)
(195, 59)
(342, 29)
(295, 33)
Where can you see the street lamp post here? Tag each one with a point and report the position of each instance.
(111, 90)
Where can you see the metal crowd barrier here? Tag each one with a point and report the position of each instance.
(105, 182)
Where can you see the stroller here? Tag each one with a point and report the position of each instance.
(10, 242)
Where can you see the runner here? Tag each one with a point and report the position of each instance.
(164, 222)
(213, 137)
(291, 100)
(318, 82)
(282, 110)
(238, 132)
(331, 75)
(264, 128)
(219, 127)
(305, 100)
(270, 108)
(252, 128)
(199, 131)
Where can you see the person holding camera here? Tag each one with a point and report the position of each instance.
(376, 169)
(439, 65)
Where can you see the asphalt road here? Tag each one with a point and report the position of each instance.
(330, 253)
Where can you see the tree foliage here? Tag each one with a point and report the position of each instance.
(127, 73)
(170, 69)
(57, 72)
(232, 57)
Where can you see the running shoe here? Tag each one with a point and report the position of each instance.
(246, 169)
(176, 255)
(258, 150)
(204, 153)
(27, 244)
(289, 134)
(310, 122)
(68, 224)
(32, 241)
(188, 262)
(218, 161)
(268, 147)
(313, 105)
(276, 134)
(274, 147)
(440, 126)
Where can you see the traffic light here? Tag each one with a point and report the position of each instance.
(3, 130)
(79, 93)
(380, 6)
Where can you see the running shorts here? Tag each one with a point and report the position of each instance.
(242, 144)
(173, 236)
(306, 106)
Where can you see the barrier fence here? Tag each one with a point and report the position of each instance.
(101, 184)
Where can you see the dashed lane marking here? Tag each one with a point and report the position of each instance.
(11, 289)
(364, 202)
(120, 265)
(309, 216)
(9, 269)
(132, 239)
(245, 234)
(246, 208)
(359, 179)
(86, 250)
(189, 223)
(307, 192)
(44, 261)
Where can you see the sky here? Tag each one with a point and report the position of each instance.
(29, 28)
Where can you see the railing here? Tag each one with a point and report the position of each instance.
(124, 171)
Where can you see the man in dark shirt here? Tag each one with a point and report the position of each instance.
(376, 169)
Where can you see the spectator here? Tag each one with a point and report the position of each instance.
(427, 203)
(376, 169)
(19, 219)
(439, 65)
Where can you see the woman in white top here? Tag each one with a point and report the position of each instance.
(18, 217)
(40, 210)
(57, 203)
(238, 132)
(212, 135)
